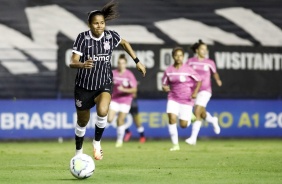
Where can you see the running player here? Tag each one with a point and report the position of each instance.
(134, 111)
(204, 67)
(125, 85)
(179, 81)
(91, 55)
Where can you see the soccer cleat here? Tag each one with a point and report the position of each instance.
(142, 139)
(175, 148)
(216, 127)
(98, 154)
(118, 144)
(191, 141)
(127, 136)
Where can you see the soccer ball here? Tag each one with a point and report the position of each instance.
(82, 166)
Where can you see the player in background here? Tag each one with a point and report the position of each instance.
(205, 67)
(125, 85)
(91, 55)
(179, 81)
(134, 111)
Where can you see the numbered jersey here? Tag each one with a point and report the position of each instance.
(204, 68)
(126, 80)
(182, 83)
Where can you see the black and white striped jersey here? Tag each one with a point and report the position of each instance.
(100, 50)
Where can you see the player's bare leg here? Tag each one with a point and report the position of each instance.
(192, 140)
(172, 128)
(102, 107)
(80, 129)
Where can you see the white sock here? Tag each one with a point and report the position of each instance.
(79, 131)
(140, 129)
(96, 144)
(172, 129)
(120, 133)
(195, 129)
(79, 151)
(209, 117)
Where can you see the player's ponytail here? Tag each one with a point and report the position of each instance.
(196, 45)
(109, 11)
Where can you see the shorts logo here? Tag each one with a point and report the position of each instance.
(78, 103)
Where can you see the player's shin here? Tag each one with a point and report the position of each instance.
(79, 137)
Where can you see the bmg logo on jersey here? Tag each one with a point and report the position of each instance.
(105, 58)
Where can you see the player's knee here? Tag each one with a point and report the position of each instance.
(103, 111)
(82, 121)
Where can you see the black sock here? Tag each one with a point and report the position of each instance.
(98, 133)
(78, 142)
(127, 130)
(142, 134)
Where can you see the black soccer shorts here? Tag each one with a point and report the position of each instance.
(84, 99)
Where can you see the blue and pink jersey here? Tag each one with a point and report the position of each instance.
(127, 80)
(181, 82)
(204, 68)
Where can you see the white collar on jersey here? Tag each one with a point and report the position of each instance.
(97, 39)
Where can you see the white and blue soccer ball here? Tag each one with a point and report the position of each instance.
(82, 166)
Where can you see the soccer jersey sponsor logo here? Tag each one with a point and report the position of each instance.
(101, 58)
(87, 37)
(108, 36)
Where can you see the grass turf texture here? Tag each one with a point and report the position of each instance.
(210, 161)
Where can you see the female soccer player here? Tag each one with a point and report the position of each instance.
(179, 81)
(204, 67)
(92, 51)
(125, 85)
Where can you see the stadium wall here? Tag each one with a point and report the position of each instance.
(52, 119)
(244, 38)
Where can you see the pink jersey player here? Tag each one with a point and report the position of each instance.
(124, 88)
(181, 82)
(124, 80)
(204, 68)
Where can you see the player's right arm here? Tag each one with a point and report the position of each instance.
(165, 85)
(75, 63)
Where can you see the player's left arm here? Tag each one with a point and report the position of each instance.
(217, 79)
(132, 85)
(127, 47)
(215, 74)
(127, 90)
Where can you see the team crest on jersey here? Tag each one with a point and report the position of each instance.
(107, 45)
(78, 103)
(87, 37)
(182, 78)
(108, 36)
(206, 68)
(125, 83)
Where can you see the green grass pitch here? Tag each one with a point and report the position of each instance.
(210, 161)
